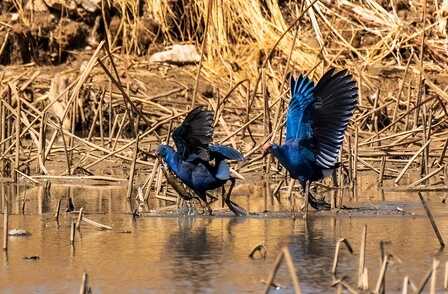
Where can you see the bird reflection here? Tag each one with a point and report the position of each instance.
(310, 249)
(195, 252)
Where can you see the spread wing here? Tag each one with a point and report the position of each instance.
(299, 119)
(225, 152)
(195, 133)
(336, 97)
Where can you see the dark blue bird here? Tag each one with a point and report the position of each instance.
(315, 124)
(196, 162)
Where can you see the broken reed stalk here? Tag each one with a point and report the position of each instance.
(5, 228)
(132, 169)
(17, 157)
(355, 156)
(292, 270)
(383, 255)
(284, 254)
(445, 277)
(400, 91)
(204, 41)
(431, 174)
(27, 177)
(362, 258)
(435, 265)
(66, 152)
(405, 285)
(422, 68)
(259, 248)
(383, 168)
(42, 144)
(151, 177)
(431, 219)
(78, 223)
(341, 284)
(3, 131)
(336, 253)
(406, 167)
(58, 210)
(100, 107)
(424, 281)
(382, 274)
(96, 224)
(72, 233)
(84, 284)
(442, 155)
(307, 198)
(270, 280)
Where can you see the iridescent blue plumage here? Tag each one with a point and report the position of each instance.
(197, 163)
(315, 124)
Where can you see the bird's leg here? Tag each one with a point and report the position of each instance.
(223, 193)
(307, 194)
(207, 204)
(209, 209)
(235, 208)
(318, 204)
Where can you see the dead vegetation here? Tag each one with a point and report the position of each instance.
(86, 115)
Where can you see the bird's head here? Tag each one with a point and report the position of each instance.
(162, 151)
(266, 148)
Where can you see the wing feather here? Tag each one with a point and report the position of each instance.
(336, 98)
(194, 134)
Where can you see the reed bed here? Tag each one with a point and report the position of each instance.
(111, 106)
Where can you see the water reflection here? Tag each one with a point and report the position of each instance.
(203, 254)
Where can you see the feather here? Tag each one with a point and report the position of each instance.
(298, 126)
(195, 133)
(336, 98)
(225, 152)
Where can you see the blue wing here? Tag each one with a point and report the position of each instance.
(225, 152)
(299, 117)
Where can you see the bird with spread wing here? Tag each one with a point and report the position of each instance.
(316, 121)
(197, 162)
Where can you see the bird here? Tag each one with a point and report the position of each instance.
(198, 163)
(316, 120)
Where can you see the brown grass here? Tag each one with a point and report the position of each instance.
(398, 55)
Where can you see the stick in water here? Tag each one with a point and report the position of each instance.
(431, 219)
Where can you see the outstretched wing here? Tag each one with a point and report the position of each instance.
(299, 119)
(194, 134)
(336, 97)
(225, 152)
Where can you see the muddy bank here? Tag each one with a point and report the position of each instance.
(48, 31)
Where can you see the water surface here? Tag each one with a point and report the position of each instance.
(206, 254)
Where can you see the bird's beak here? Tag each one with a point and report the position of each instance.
(236, 175)
(155, 153)
(266, 149)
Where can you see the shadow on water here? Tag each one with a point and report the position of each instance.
(192, 248)
(206, 254)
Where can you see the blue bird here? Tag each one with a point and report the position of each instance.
(196, 162)
(316, 121)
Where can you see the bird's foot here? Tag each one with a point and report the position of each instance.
(318, 204)
(235, 208)
(209, 210)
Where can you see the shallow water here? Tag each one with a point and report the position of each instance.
(206, 254)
